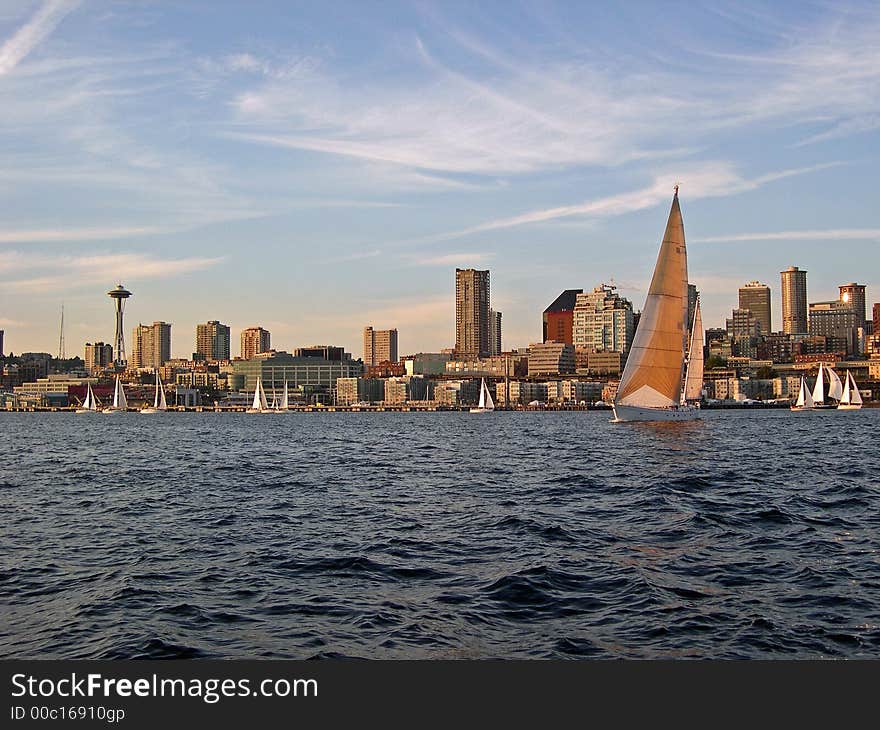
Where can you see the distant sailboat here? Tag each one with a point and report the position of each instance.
(259, 405)
(693, 381)
(120, 403)
(804, 400)
(850, 399)
(486, 404)
(90, 404)
(652, 387)
(835, 388)
(159, 402)
(284, 406)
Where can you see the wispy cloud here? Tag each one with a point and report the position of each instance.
(461, 259)
(55, 235)
(834, 234)
(34, 32)
(703, 180)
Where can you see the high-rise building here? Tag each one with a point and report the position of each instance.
(212, 341)
(551, 358)
(151, 345)
(471, 312)
(837, 322)
(743, 331)
(494, 332)
(254, 340)
(755, 296)
(1, 344)
(603, 321)
(693, 296)
(98, 356)
(876, 321)
(379, 346)
(854, 295)
(558, 319)
(794, 301)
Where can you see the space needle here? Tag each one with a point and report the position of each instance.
(119, 295)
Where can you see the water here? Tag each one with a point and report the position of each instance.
(438, 535)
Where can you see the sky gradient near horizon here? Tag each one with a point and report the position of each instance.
(314, 168)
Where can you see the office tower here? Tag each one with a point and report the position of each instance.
(837, 322)
(254, 340)
(471, 313)
(212, 340)
(854, 295)
(603, 321)
(693, 296)
(1, 344)
(876, 324)
(494, 332)
(151, 345)
(119, 295)
(794, 301)
(756, 297)
(379, 346)
(558, 318)
(98, 356)
(743, 331)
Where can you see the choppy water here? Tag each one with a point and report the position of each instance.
(437, 535)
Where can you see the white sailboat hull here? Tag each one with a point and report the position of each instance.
(626, 414)
(848, 406)
(482, 410)
(85, 410)
(149, 409)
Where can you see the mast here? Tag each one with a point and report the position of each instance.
(693, 382)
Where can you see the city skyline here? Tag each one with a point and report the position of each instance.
(329, 170)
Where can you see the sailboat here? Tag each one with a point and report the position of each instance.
(259, 405)
(850, 399)
(835, 388)
(90, 404)
(159, 402)
(486, 404)
(120, 403)
(693, 381)
(804, 400)
(284, 406)
(653, 387)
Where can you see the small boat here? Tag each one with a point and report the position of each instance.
(850, 399)
(90, 404)
(804, 400)
(259, 405)
(120, 403)
(486, 404)
(284, 406)
(159, 402)
(654, 383)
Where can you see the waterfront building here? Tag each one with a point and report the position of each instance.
(359, 390)
(580, 391)
(603, 321)
(515, 364)
(854, 295)
(426, 363)
(494, 332)
(551, 358)
(794, 301)
(98, 356)
(385, 370)
(212, 341)
(598, 363)
(276, 367)
(379, 346)
(399, 390)
(744, 332)
(151, 345)
(325, 352)
(255, 340)
(836, 321)
(524, 392)
(471, 313)
(755, 296)
(558, 319)
(51, 390)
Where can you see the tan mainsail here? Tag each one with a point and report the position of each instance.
(654, 370)
(693, 384)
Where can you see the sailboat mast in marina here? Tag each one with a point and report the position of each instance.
(120, 402)
(259, 405)
(804, 400)
(159, 402)
(653, 387)
(90, 404)
(850, 399)
(486, 404)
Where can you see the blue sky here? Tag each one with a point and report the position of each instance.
(316, 167)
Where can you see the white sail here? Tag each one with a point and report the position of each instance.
(693, 385)
(835, 389)
(482, 403)
(285, 398)
(855, 397)
(119, 401)
(163, 404)
(257, 404)
(89, 402)
(804, 400)
(264, 406)
(486, 398)
(274, 405)
(654, 370)
(819, 388)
